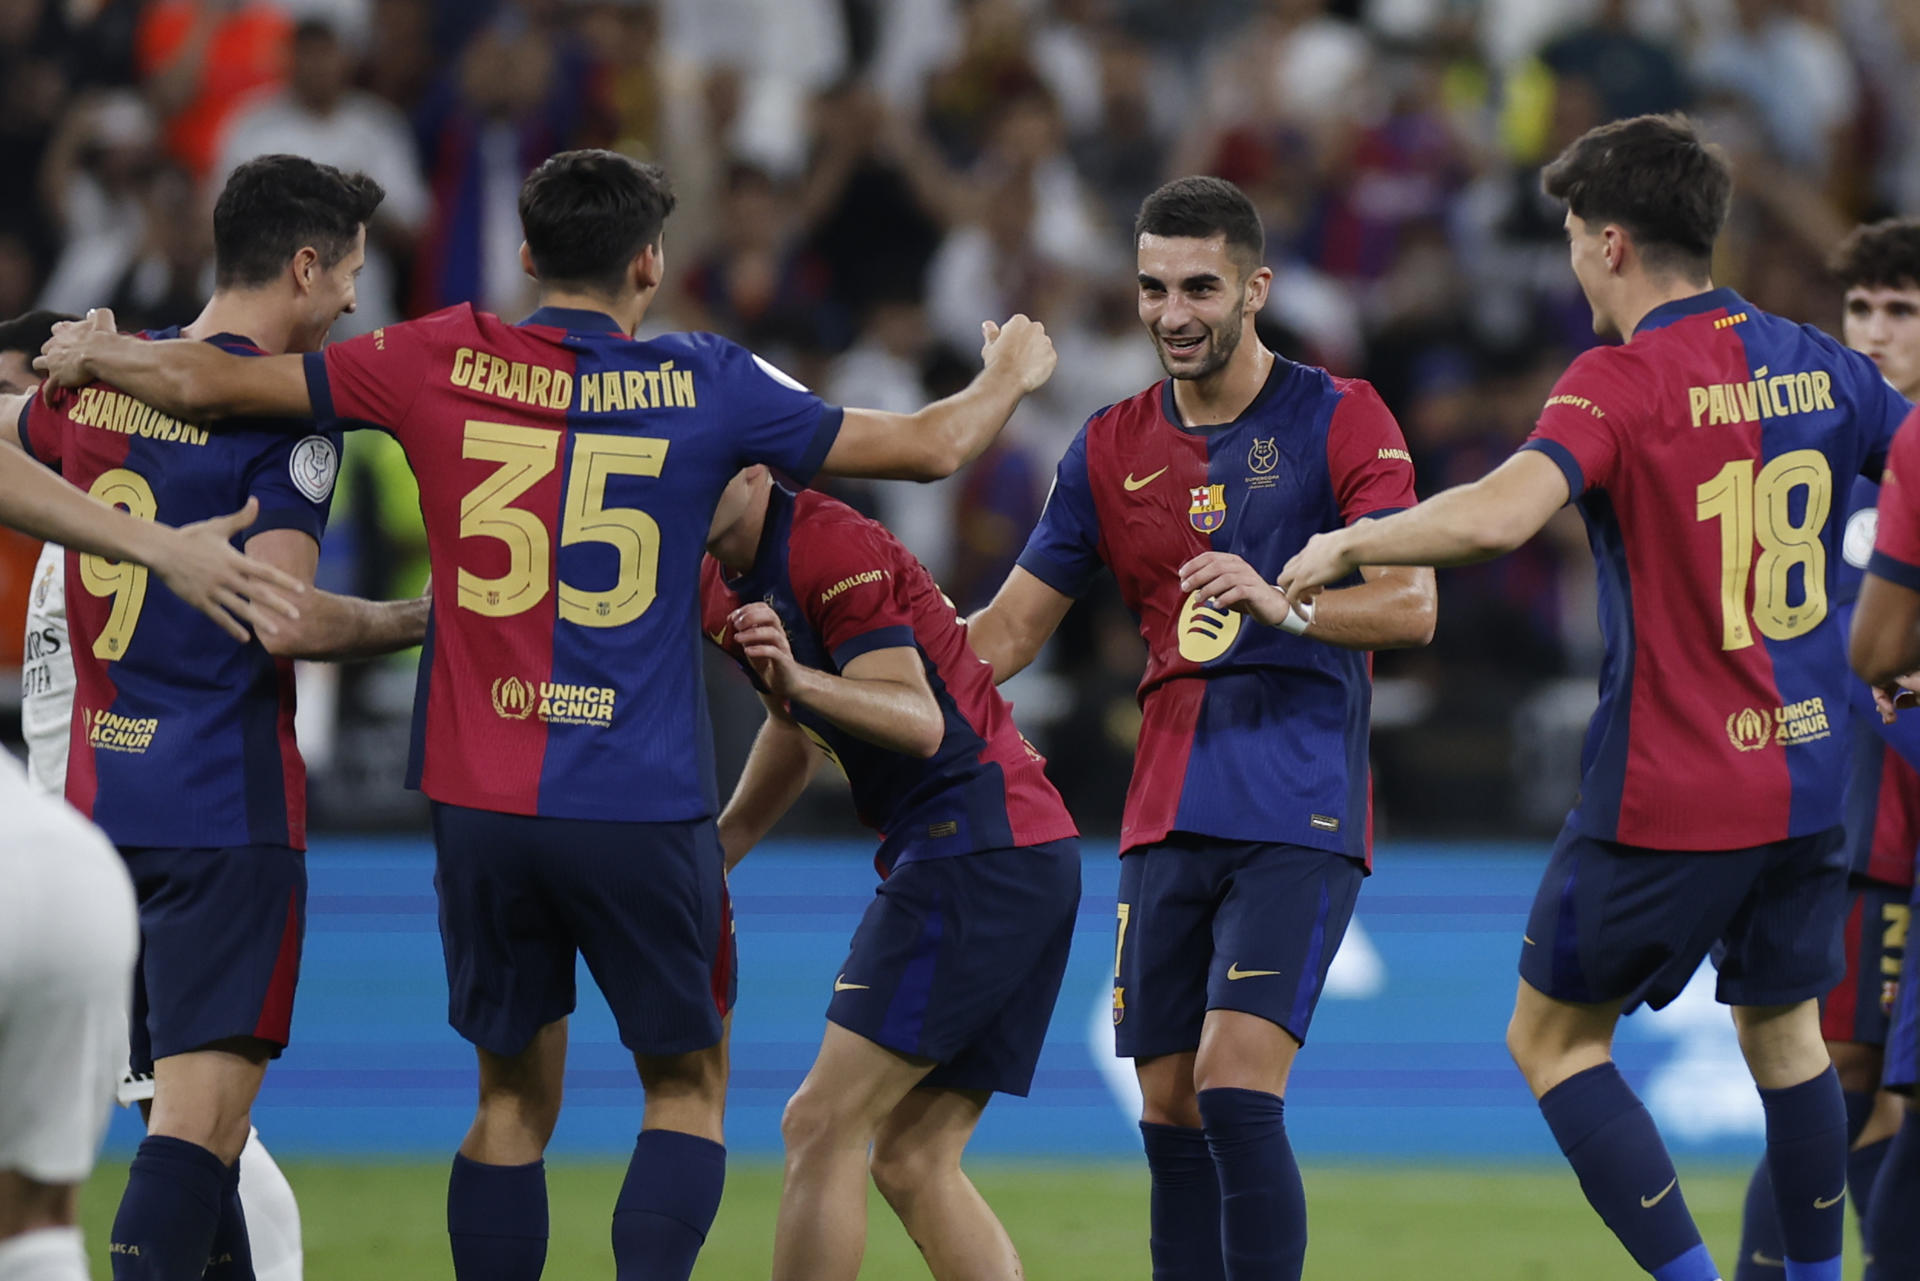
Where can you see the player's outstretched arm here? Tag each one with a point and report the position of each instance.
(181, 376)
(1885, 644)
(1464, 525)
(1008, 633)
(198, 562)
(882, 697)
(777, 771)
(1393, 609)
(334, 628)
(947, 435)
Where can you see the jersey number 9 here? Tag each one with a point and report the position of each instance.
(1749, 507)
(123, 580)
(528, 455)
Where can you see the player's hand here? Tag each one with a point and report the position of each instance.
(763, 638)
(202, 567)
(1896, 696)
(1228, 582)
(1325, 559)
(64, 357)
(1022, 348)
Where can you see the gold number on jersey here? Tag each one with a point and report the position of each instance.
(1749, 507)
(1895, 918)
(1120, 937)
(123, 580)
(527, 456)
(629, 531)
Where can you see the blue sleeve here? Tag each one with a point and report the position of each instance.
(776, 420)
(1881, 410)
(1064, 549)
(293, 477)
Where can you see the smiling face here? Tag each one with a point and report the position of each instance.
(330, 293)
(1197, 301)
(1884, 324)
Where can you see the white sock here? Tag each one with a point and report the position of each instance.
(273, 1217)
(44, 1254)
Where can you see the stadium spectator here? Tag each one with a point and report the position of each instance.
(201, 59)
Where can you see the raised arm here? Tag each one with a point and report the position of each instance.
(334, 628)
(945, 436)
(182, 377)
(1009, 632)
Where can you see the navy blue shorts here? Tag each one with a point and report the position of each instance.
(220, 937)
(1861, 1004)
(959, 960)
(1224, 925)
(1615, 922)
(1902, 1070)
(644, 903)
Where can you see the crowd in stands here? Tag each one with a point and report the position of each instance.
(861, 182)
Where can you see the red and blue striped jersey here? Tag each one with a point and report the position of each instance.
(182, 736)
(843, 586)
(1710, 457)
(568, 474)
(1247, 732)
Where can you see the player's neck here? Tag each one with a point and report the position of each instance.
(1224, 394)
(627, 312)
(1650, 292)
(250, 313)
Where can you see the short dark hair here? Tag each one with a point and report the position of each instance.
(1201, 208)
(29, 331)
(274, 206)
(587, 214)
(1654, 176)
(1880, 255)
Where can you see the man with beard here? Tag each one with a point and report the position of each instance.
(1248, 820)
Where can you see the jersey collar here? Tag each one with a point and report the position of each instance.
(1698, 304)
(575, 320)
(759, 580)
(1276, 376)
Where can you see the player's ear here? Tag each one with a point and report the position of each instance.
(305, 268)
(649, 267)
(1259, 285)
(526, 261)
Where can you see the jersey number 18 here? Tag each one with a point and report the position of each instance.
(1749, 506)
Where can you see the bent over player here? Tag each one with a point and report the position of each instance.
(1705, 453)
(1879, 268)
(1248, 824)
(568, 474)
(182, 746)
(945, 995)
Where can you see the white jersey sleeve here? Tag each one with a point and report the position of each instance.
(46, 675)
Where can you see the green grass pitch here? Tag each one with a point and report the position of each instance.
(1071, 1223)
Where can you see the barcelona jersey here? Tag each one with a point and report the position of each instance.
(1712, 457)
(843, 586)
(568, 474)
(181, 736)
(1248, 733)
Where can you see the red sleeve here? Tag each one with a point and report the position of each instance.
(1576, 428)
(1367, 456)
(374, 378)
(43, 426)
(850, 584)
(1896, 547)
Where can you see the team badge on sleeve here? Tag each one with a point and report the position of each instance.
(1209, 509)
(314, 464)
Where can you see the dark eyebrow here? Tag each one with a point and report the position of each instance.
(1151, 282)
(1205, 280)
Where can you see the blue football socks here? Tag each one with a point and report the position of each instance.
(666, 1205)
(1807, 1159)
(232, 1253)
(1762, 1257)
(1624, 1169)
(1893, 1225)
(1263, 1207)
(165, 1226)
(1184, 1211)
(497, 1220)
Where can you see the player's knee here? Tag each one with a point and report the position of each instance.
(811, 1120)
(901, 1170)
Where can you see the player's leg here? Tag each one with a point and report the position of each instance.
(828, 1126)
(916, 1166)
(1783, 950)
(678, 1169)
(1275, 932)
(221, 934)
(497, 1190)
(1163, 946)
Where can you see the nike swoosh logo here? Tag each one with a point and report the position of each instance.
(1235, 972)
(840, 984)
(1529, 942)
(1144, 481)
(1830, 1202)
(1767, 1262)
(719, 637)
(1648, 1202)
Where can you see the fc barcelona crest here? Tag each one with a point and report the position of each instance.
(1209, 509)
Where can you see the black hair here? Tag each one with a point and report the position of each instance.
(29, 331)
(588, 214)
(1656, 177)
(274, 206)
(1201, 208)
(1880, 255)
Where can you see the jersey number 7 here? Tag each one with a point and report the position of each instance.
(528, 455)
(1749, 506)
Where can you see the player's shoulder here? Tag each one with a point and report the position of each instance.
(1124, 420)
(461, 323)
(1350, 396)
(823, 521)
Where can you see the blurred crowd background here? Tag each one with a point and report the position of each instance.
(861, 182)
